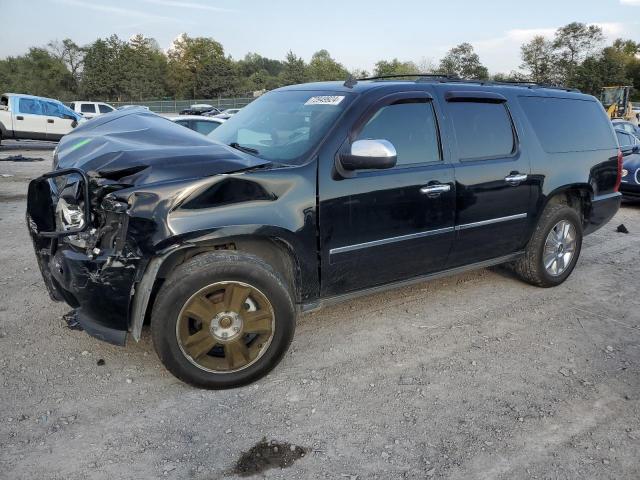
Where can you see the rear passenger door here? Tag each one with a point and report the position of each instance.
(88, 110)
(492, 177)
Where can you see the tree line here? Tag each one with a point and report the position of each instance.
(137, 69)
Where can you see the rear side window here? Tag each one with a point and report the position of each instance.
(410, 126)
(87, 108)
(30, 105)
(568, 125)
(52, 109)
(483, 130)
(105, 108)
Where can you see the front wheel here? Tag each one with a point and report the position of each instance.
(222, 320)
(554, 248)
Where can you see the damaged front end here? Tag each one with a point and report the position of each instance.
(80, 234)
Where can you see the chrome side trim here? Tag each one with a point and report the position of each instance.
(384, 241)
(464, 226)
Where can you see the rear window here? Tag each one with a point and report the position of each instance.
(87, 108)
(483, 130)
(30, 105)
(568, 125)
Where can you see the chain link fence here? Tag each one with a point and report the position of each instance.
(174, 106)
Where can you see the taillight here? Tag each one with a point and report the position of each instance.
(619, 177)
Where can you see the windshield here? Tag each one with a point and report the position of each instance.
(283, 126)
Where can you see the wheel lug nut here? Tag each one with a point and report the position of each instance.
(224, 334)
(236, 329)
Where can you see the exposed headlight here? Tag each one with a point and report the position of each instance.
(68, 216)
(110, 204)
(625, 172)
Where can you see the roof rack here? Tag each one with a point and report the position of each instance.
(435, 77)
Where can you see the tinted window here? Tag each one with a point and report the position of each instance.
(568, 125)
(105, 108)
(483, 130)
(30, 105)
(624, 139)
(87, 108)
(204, 127)
(410, 127)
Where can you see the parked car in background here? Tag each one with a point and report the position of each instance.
(630, 178)
(91, 109)
(124, 107)
(198, 123)
(35, 118)
(231, 111)
(314, 194)
(200, 109)
(626, 126)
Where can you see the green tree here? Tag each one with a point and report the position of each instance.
(539, 60)
(72, 55)
(394, 67)
(144, 69)
(104, 70)
(462, 61)
(603, 69)
(190, 63)
(36, 73)
(573, 43)
(294, 70)
(324, 68)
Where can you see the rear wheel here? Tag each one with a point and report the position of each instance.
(554, 248)
(222, 320)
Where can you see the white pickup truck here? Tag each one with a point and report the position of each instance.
(35, 118)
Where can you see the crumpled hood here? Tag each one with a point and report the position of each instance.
(141, 147)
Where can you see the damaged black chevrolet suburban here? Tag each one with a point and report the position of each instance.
(313, 194)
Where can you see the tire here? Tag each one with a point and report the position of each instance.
(531, 267)
(223, 272)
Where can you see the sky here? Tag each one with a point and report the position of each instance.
(357, 33)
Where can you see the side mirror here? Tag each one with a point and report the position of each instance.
(369, 154)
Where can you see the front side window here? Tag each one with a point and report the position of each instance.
(88, 108)
(284, 126)
(410, 125)
(52, 109)
(30, 106)
(105, 108)
(483, 130)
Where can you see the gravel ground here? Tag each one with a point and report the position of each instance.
(473, 376)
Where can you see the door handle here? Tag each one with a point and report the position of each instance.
(515, 179)
(435, 190)
(19, 117)
(49, 120)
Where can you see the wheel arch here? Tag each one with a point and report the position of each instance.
(275, 251)
(577, 196)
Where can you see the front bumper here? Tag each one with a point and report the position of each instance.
(98, 283)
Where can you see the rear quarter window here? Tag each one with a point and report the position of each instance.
(568, 125)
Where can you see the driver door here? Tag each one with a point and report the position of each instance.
(382, 226)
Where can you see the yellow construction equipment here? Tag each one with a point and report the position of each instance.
(617, 104)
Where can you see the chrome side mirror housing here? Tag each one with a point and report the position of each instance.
(369, 154)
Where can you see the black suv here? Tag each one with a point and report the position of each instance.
(310, 195)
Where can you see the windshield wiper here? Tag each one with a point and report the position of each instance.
(243, 148)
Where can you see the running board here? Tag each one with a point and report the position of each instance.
(312, 306)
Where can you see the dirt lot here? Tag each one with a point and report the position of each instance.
(477, 376)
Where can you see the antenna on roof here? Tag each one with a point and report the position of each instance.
(350, 82)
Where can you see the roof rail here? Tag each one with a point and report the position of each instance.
(435, 77)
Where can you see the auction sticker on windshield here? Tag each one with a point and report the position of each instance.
(325, 100)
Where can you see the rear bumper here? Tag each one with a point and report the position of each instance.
(603, 208)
